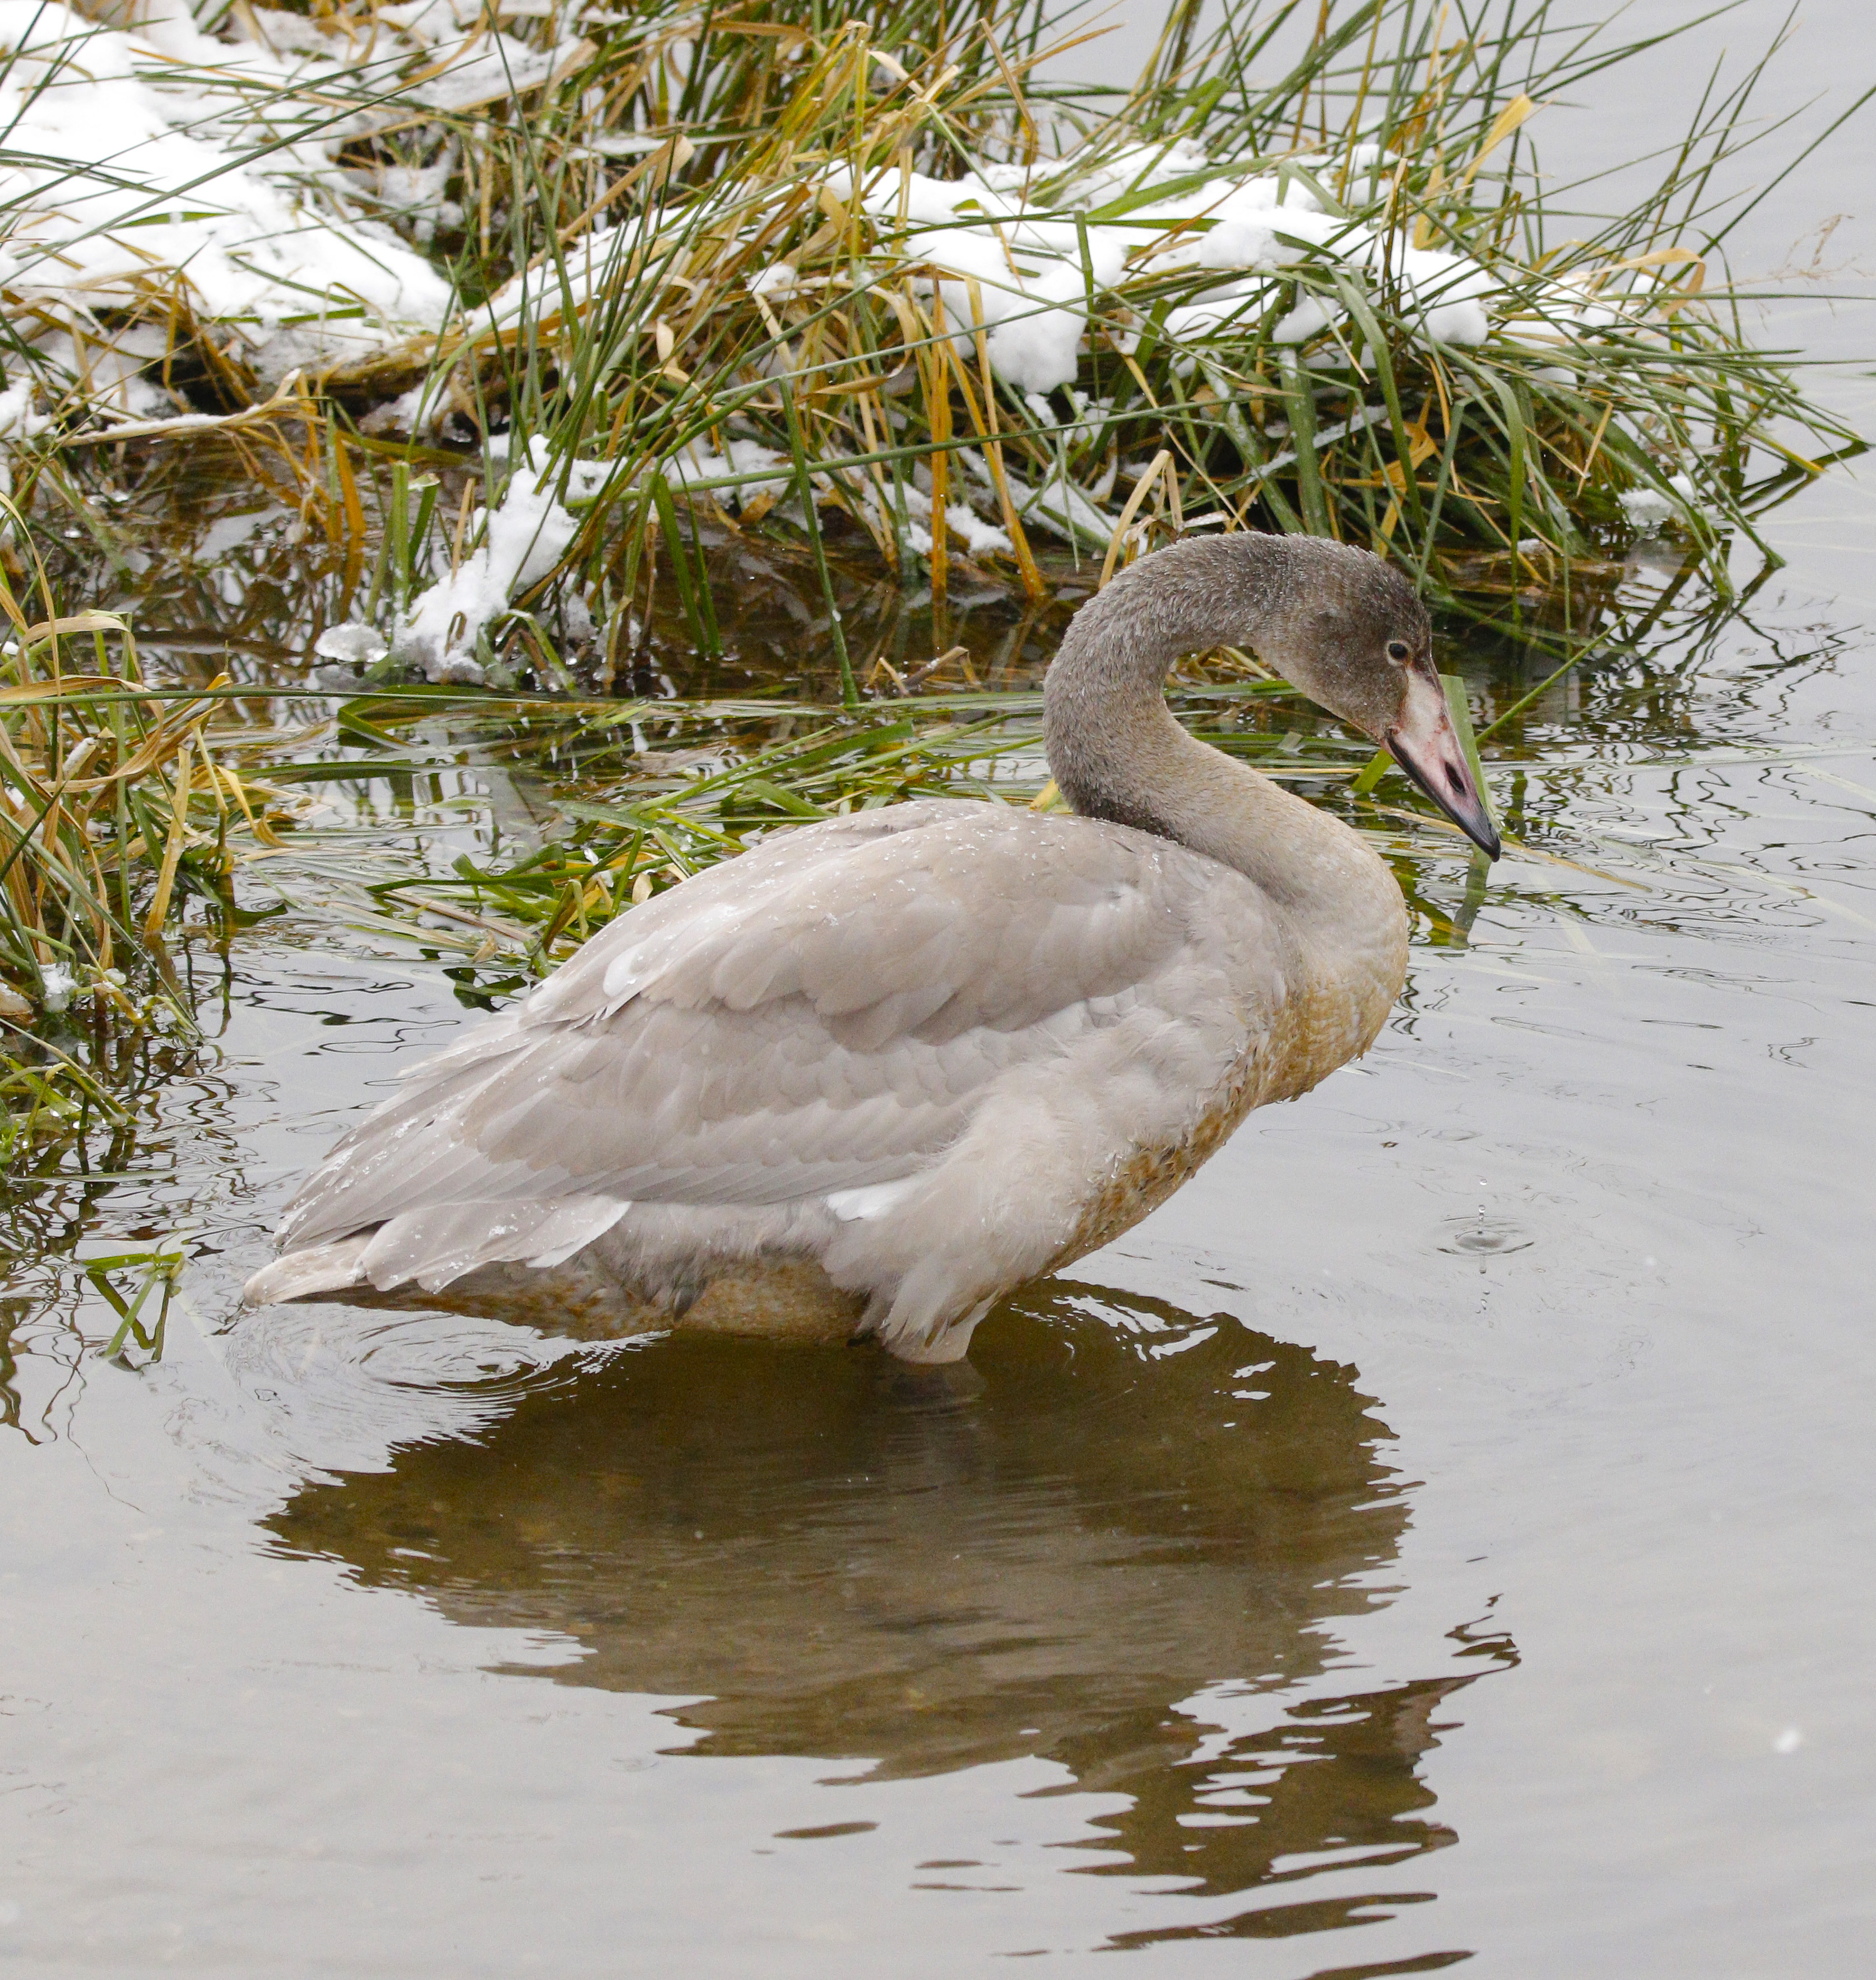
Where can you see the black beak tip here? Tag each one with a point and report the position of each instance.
(1464, 808)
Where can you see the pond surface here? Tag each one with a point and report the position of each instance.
(1442, 1533)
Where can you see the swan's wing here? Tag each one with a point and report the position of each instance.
(821, 1015)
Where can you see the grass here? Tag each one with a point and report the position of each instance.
(621, 337)
(1522, 446)
(632, 794)
(114, 815)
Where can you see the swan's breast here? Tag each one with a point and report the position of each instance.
(1316, 988)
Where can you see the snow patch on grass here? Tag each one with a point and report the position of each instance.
(516, 544)
(1026, 255)
(157, 165)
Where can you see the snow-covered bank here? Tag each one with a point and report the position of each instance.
(760, 270)
(154, 170)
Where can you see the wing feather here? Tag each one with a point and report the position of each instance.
(823, 1015)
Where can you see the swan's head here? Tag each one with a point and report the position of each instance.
(1341, 625)
(1347, 630)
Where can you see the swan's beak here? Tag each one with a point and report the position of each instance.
(1426, 745)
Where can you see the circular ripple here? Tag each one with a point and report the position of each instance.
(1485, 1235)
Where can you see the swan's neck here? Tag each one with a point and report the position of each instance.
(1117, 753)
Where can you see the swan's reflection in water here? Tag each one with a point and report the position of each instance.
(1121, 1508)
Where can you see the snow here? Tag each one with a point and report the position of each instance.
(124, 176)
(779, 279)
(521, 540)
(361, 646)
(516, 545)
(108, 367)
(1066, 509)
(1022, 278)
(695, 466)
(1647, 508)
(979, 537)
(497, 66)
(152, 160)
(1004, 250)
(546, 294)
(18, 419)
(697, 463)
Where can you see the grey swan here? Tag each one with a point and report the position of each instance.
(876, 1072)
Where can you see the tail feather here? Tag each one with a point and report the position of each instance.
(436, 1246)
(320, 1269)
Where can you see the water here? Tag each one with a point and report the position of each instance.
(1441, 1534)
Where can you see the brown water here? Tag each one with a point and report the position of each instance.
(1443, 1532)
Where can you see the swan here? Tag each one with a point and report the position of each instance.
(876, 1072)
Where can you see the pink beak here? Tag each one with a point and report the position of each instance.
(1426, 745)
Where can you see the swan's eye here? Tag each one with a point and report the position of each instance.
(1399, 652)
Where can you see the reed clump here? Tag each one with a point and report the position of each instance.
(881, 276)
(867, 282)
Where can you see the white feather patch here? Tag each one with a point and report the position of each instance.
(872, 1199)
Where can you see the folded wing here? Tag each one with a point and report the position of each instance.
(820, 1018)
